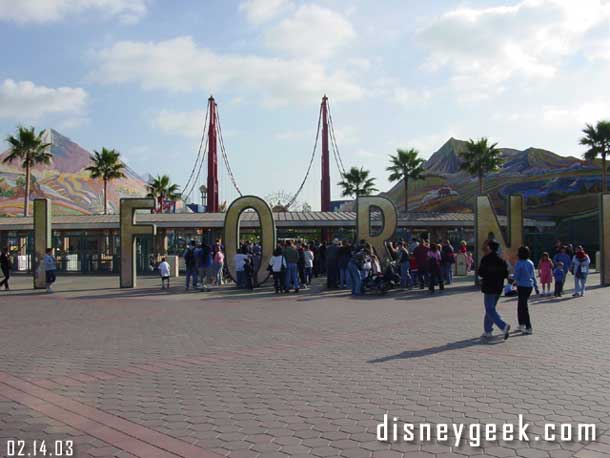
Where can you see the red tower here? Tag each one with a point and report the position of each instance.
(325, 181)
(212, 160)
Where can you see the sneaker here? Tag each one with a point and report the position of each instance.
(507, 331)
(521, 328)
(528, 331)
(486, 335)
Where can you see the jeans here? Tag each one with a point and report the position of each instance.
(523, 313)
(203, 276)
(491, 315)
(447, 269)
(308, 274)
(405, 275)
(354, 273)
(292, 276)
(241, 279)
(579, 284)
(191, 273)
(345, 280)
(218, 266)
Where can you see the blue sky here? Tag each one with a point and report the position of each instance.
(135, 75)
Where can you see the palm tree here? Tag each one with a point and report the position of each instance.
(161, 188)
(597, 138)
(404, 165)
(357, 183)
(479, 158)
(28, 148)
(107, 166)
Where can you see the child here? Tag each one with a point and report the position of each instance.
(545, 273)
(164, 273)
(510, 289)
(50, 268)
(559, 275)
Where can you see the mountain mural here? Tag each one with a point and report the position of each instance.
(552, 185)
(64, 181)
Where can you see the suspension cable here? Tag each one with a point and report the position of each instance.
(205, 123)
(313, 155)
(225, 157)
(196, 180)
(336, 153)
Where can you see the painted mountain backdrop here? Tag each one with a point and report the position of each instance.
(64, 181)
(552, 185)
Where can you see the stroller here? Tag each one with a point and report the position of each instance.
(381, 282)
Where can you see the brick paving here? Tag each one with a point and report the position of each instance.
(146, 373)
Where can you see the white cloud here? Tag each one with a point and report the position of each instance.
(312, 31)
(40, 11)
(24, 101)
(260, 11)
(180, 65)
(486, 47)
(185, 123)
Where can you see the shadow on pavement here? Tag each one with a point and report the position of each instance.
(461, 344)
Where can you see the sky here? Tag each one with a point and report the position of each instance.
(135, 75)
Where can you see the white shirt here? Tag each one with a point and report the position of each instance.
(164, 269)
(277, 262)
(308, 255)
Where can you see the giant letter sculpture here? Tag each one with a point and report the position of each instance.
(486, 224)
(129, 230)
(604, 235)
(265, 216)
(389, 220)
(42, 240)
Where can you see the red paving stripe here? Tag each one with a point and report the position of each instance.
(84, 378)
(116, 431)
(47, 384)
(102, 375)
(66, 381)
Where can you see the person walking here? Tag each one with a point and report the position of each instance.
(308, 258)
(421, 257)
(447, 262)
(277, 267)
(580, 269)
(345, 253)
(545, 273)
(493, 270)
(332, 264)
(240, 259)
(525, 276)
(190, 264)
(5, 266)
(50, 268)
(292, 274)
(219, 264)
(435, 275)
(204, 261)
(559, 276)
(164, 273)
(403, 259)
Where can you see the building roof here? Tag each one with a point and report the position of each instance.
(311, 219)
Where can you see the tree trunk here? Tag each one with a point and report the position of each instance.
(105, 196)
(406, 179)
(26, 199)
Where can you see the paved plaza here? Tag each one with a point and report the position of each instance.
(151, 374)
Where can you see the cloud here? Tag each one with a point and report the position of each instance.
(483, 48)
(180, 65)
(260, 11)
(185, 123)
(36, 11)
(24, 101)
(312, 31)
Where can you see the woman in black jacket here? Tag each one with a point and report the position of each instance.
(493, 270)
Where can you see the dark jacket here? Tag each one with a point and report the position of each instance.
(5, 262)
(493, 270)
